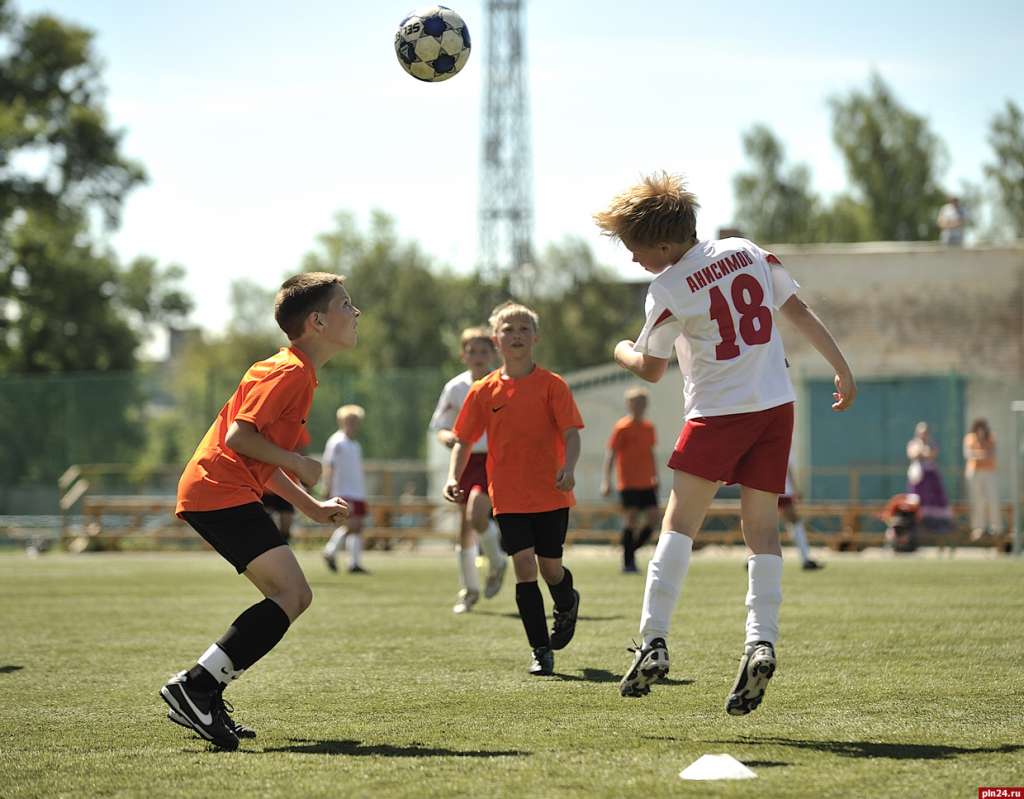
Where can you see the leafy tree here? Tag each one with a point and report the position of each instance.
(1006, 135)
(892, 159)
(51, 106)
(773, 204)
(69, 304)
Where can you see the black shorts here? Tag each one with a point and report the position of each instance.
(640, 498)
(239, 534)
(275, 503)
(545, 532)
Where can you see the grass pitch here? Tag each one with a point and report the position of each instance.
(896, 678)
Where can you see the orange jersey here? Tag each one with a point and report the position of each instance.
(275, 396)
(633, 445)
(525, 419)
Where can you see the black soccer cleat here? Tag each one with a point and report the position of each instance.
(564, 626)
(543, 663)
(239, 729)
(812, 565)
(650, 664)
(756, 668)
(202, 711)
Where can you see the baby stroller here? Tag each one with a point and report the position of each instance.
(901, 515)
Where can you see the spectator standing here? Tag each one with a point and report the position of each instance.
(982, 484)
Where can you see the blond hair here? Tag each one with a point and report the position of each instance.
(657, 210)
(636, 393)
(349, 411)
(478, 333)
(511, 310)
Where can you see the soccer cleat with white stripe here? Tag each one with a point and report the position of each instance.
(203, 711)
(650, 664)
(756, 668)
(465, 601)
(239, 729)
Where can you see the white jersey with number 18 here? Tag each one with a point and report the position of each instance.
(715, 305)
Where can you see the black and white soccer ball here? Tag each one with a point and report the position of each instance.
(432, 43)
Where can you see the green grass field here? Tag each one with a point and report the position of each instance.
(896, 678)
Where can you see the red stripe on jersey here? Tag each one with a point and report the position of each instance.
(772, 259)
(666, 316)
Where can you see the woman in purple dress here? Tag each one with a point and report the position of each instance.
(924, 479)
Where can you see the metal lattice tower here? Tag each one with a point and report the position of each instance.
(505, 204)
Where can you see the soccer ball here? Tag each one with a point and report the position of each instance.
(432, 43)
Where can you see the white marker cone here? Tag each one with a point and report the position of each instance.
(716, 767)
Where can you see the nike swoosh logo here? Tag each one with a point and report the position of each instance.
(205, 718)
(495, 410)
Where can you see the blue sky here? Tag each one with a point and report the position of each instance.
(258, 121)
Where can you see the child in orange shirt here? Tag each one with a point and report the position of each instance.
(532, 426)
(631, 448)
(250, 448)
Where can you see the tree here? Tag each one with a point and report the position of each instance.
(51, 106)
(892, 159)
(70, 305)
(1006, 135)
(773, 204)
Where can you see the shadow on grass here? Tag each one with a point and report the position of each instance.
(873, 749)
(356, 749)
(9, 669)
(516, 616)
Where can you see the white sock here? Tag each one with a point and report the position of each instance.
(216, 661)
(799, 534)
(764, 595)
(490, 543)
(354, 545)
(334, 544)
(468, 575)
(665, 576)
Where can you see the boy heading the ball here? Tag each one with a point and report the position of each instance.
(532, 426)
(251, 447)
(714, 303)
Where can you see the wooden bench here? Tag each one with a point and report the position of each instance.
(844, 526)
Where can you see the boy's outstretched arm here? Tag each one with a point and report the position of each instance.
(814, 330)
(566, 477)
(646, 367)
(333, 510)
(245, 439)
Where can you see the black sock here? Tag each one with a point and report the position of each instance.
(562, 593)
(254, 633)
(531, 610)
(628, 547)
(200, 679)
(645, 536)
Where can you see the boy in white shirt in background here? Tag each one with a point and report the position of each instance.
(343, 477)
(476, 524)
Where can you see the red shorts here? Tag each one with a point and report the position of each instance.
(475, 474)
(751, 449)
(357, 508)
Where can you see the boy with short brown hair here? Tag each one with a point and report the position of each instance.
(532, 426)
(251, 447)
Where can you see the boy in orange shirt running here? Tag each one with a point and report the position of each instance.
(532, 426)
(251, 448)
(631, 448)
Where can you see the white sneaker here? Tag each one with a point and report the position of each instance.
(495, 579)
(466, 600)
